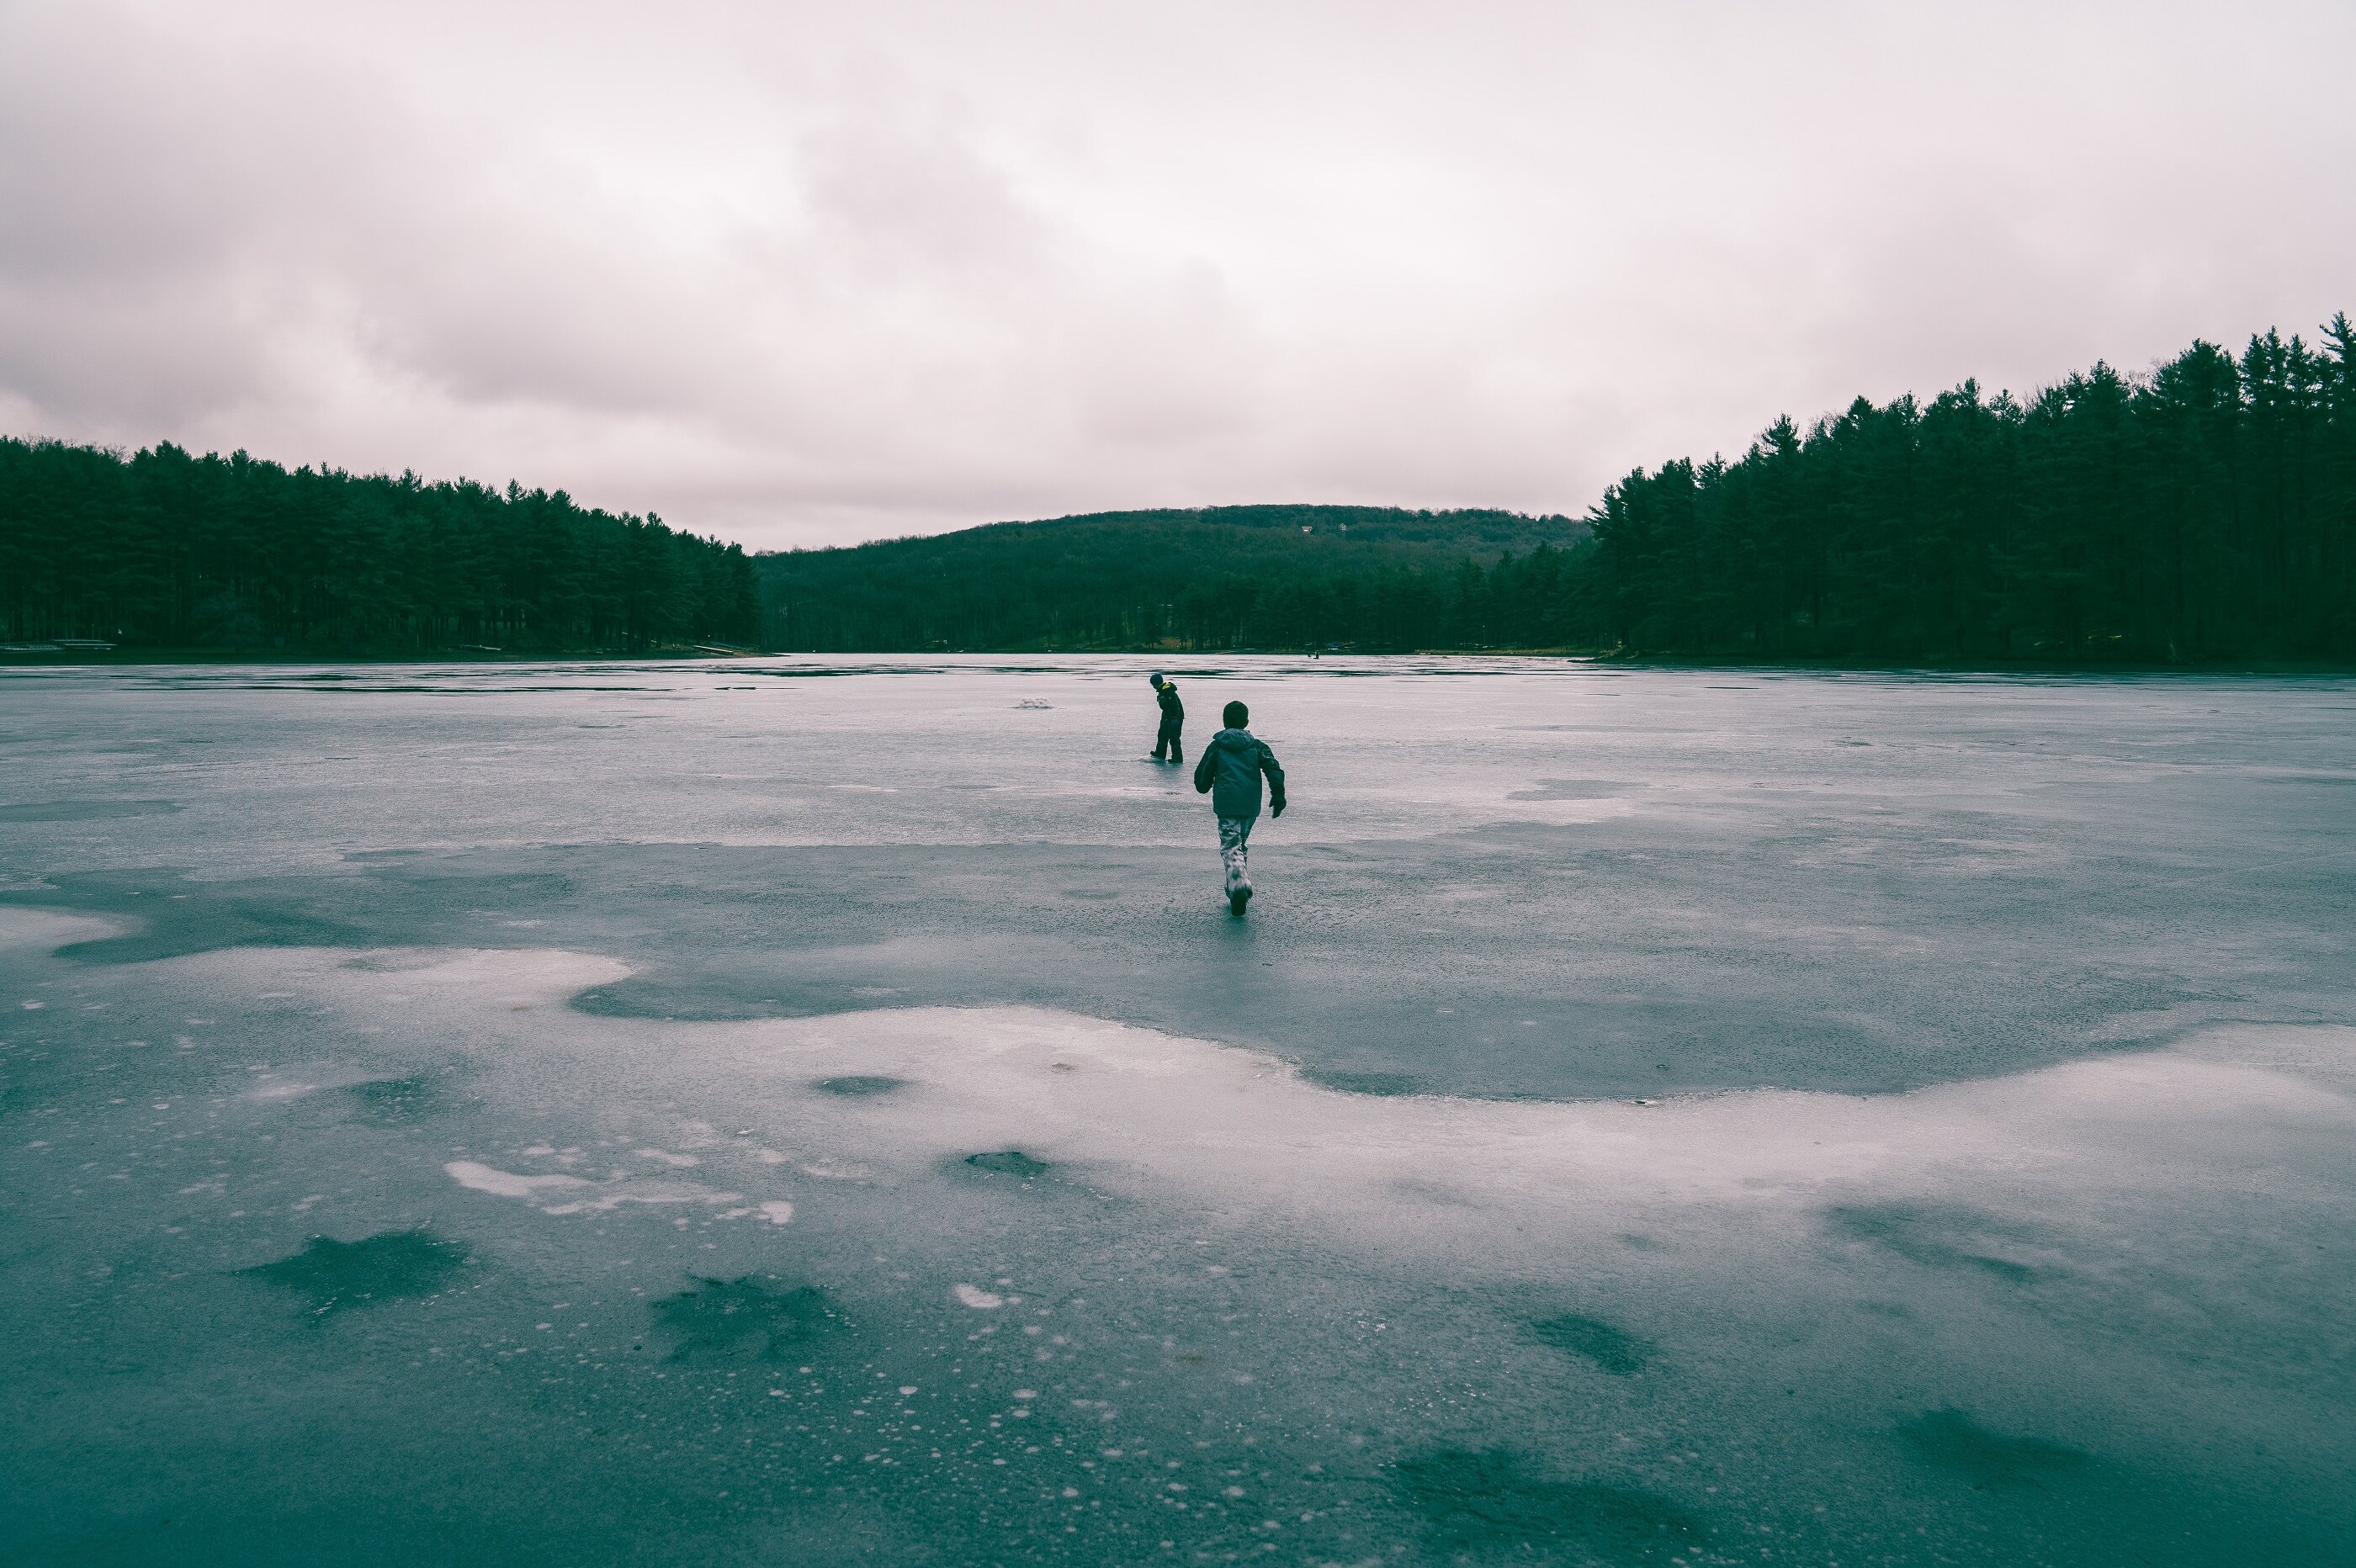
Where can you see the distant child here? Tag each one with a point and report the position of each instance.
(1229, 773)
(1173, 718)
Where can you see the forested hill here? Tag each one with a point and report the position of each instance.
(1222, 577)
(2204, 512)
(164, 550)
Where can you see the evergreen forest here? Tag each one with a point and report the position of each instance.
(163, 549)
(2204, 512)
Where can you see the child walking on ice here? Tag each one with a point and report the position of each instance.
(1229, 772)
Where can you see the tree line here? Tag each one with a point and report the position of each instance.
(2205, 511)
(2202, 512)
(161, 548)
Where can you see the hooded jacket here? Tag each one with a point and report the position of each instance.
(1173, 712)
(1230, 769)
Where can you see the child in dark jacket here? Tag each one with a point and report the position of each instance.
(1173, 718)
(1229, 772)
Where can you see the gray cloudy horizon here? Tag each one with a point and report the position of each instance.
(801, 274)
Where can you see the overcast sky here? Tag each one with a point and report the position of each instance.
(802, 274)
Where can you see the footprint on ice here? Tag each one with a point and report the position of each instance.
(859, 1085)
(390, 1266)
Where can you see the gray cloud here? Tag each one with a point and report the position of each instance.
(803, 275)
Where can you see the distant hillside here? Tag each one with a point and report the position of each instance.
(2201, 512)
(1222, 577)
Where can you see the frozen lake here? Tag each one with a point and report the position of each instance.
(801, 1110)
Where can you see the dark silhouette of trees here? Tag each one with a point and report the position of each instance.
(164, 550)
(1225, 577)
(2204, 512)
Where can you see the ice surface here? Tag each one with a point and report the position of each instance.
(1825, 1118)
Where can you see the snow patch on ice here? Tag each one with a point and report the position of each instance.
(477, 1178)
(2118, 1147)
(37, 928)
(975, 1297)
(618, 1193)
(594, 1198)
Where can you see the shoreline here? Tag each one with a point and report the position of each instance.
(138, 657)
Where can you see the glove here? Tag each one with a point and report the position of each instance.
(1278, 810)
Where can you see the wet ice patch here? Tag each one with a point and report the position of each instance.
(1009, 1162)
(1606, 1345)
(393, 1101)
(392, 1266)
(860, 1085)
(1991, 1461)
(721, 1319)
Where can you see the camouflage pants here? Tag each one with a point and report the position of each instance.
(1233, 854)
